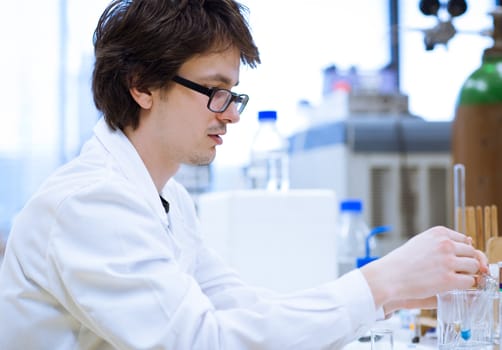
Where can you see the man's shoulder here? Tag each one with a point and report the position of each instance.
(82, 176)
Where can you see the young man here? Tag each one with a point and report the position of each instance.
(93, 260)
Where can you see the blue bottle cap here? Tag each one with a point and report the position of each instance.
(351, 205)
(267, 115)
(360, 262)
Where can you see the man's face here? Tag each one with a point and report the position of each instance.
(180, 127)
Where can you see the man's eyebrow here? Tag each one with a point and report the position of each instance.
(220, 78)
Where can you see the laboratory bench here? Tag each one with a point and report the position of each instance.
(402, 337)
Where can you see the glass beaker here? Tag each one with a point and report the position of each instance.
(465, 318)
(382, 339)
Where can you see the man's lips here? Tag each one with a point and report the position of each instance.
(217, 138)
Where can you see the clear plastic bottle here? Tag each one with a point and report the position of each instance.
(351, 235)
(339, 101)
(269, 161)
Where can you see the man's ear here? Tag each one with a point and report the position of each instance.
(142, 98)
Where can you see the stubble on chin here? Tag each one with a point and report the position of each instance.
(202, 159)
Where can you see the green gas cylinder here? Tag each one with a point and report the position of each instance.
(477, 127)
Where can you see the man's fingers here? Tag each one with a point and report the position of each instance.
(459, 237)
(467, 265)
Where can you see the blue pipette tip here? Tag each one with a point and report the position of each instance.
(465, 334)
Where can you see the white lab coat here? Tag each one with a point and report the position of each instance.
(93, 262)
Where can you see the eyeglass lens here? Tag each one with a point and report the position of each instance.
(220, 100)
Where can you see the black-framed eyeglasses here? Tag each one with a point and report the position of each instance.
(219, 99)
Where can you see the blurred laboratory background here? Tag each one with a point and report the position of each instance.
(364, 92)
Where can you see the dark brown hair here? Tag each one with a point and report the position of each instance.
(143, 43)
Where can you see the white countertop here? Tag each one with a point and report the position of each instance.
(398, 345)
(402, 338)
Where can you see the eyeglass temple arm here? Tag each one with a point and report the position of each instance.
(192, 85)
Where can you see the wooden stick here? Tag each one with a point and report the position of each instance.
(495, 227)
(460, 221)
(470, 224)
(487, 223)
(478, 222)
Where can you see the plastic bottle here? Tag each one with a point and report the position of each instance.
(339, 103)
(269, 161)
(335, 105)
(351, 235)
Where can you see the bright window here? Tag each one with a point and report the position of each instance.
(46, 62)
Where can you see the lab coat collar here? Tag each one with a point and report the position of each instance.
(175, 217)
(131, 164)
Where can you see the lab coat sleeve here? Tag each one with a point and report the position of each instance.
(113, 267)
(326, 317)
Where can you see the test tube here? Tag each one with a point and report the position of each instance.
(499, 333)
(499, 264)
(459, 197)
